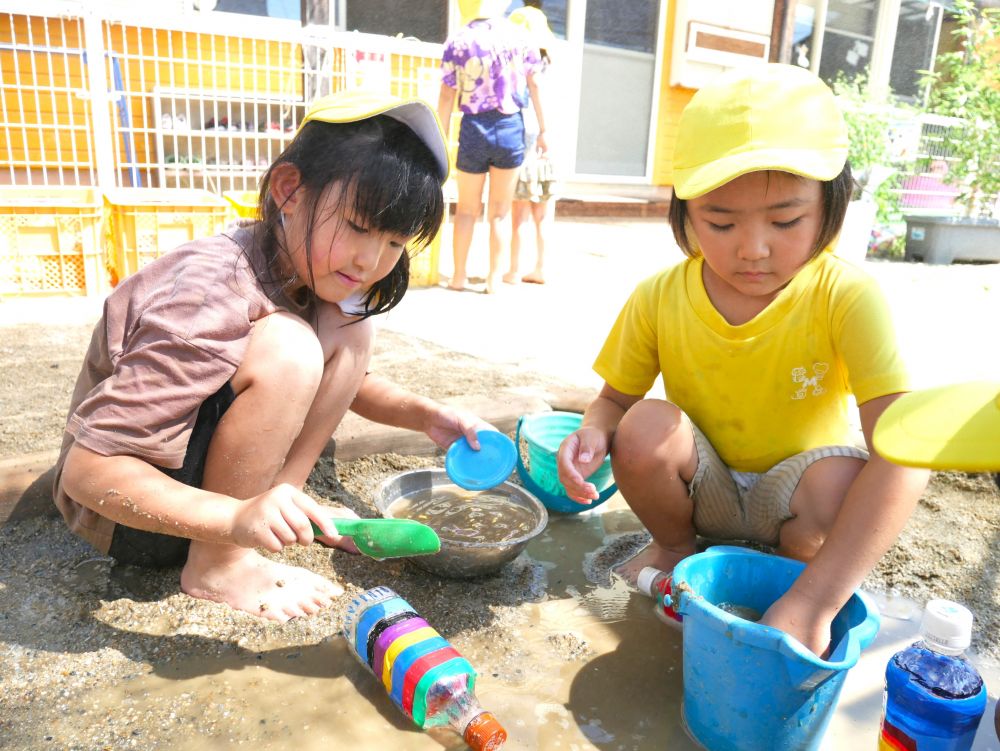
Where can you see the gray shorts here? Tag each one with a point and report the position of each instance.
(733, 505)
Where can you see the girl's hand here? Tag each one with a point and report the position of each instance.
(343, 542)
(280, 517)
(541, 145)
(447, 424)
(580, 455)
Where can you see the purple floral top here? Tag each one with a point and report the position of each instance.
(488, 63)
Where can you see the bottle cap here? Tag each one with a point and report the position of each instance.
(485, 733)
(947, 624)
(646, 578)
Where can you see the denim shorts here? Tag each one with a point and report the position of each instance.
(490, 139)
(137, 547)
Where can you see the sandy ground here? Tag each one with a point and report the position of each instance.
(71, 624)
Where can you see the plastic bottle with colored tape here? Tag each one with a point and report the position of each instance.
(656, 584)
(423, 674)
(934, 697)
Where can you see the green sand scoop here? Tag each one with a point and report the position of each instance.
(387, 538)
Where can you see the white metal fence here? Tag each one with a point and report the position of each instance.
(170, 101)
(926, 190)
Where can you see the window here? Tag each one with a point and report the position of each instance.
(915, 49)
(289, 9)
(848, 38)
(630, 26)
(426, 20)
(844, 41)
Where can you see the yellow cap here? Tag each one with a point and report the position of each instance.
(353, 105)
(948, 427)
(535, 24)
(470, 10)
(763, 117)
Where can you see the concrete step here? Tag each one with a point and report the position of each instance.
(612, 200)
(602, 200)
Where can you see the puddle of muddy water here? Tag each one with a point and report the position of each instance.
(594, 669)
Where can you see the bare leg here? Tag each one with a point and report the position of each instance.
(653, 457)
(519, 213)
(264, 438)
(541, 213)
(502, 184)
(467, 213)
(815, 505)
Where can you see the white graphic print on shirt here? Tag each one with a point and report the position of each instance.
(800, 376)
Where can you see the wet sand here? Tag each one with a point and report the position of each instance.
(95, 657)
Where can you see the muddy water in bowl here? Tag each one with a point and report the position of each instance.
(480, 531)
(486, 516)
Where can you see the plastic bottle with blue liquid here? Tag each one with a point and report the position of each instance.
(934, 697)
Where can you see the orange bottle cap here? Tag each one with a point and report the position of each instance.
(485, 733)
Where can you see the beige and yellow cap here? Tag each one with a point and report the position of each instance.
(534, 23)
(470, 10)
(948, 427)
(768, 116)
(353, 105)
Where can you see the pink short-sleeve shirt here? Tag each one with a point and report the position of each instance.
(170, 337)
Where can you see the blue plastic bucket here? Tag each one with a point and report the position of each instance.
(753, 686)
(543, 432)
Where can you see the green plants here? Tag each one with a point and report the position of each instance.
(874, 120)
(965, 84)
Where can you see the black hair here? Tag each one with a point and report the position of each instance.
(835, 195)
(389, 180)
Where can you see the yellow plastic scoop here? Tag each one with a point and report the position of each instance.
(387, 538)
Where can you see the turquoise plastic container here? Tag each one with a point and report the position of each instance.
(543, 432)
(753, 686)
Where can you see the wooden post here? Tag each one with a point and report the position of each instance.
(782, 31)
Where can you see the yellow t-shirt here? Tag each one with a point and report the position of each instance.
(774, 386)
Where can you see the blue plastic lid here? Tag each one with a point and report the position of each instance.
(483, 469)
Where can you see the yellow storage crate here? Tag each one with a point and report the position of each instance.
(51, 241)
(424, 265)
(145, 223)
(243, 203)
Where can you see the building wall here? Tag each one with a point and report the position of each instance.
(672, 100)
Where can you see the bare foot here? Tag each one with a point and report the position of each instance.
(457, 284)
(533, 278)
(652, 555)
(246, 580)
(491, 284)
(510, 278)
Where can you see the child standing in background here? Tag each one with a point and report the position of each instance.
(219, 372)
(760, 336)
(533, 193)
(487, 67)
